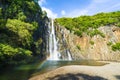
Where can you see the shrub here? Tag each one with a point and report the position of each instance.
(92, 42)
(22, 30)
(96, 32)
(78, 46)
(109, 43)
(79, 33)
(116, 47)
(84, 23)
(9, 54)
(118, 24)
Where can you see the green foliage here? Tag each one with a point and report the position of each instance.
(92, 42)
(21, 16)
(2, 23)
(32, 6)
(13, 9)
(78, 32)
(16, 25)
(84, 24)
(37, 44)
(109, 43)
(95, 32)
(5, 39)
(21, 26)
(66, 22)
(102, 34)
(116, 47)
(78, 46)
(118, 24)
(35, 25)
(9, 54)
(22, 30)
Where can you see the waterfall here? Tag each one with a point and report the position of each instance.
(53, 45)
(53, 49)
(69, 56)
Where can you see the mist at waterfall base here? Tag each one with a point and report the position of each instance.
(53, 45)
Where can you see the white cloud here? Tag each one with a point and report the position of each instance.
(76, 13)
(95, 7)
(41, 2)
(113, 7)
(63, 12)
(50, 13)
(100, 1)
(98, 6)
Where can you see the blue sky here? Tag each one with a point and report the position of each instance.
(74, 8)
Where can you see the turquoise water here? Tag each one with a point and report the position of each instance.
(24, 72)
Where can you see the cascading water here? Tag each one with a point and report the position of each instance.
(54, 54)
(69, 56)
(53, 47)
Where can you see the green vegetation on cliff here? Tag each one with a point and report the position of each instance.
(21, 24)
(89, 24)
(92, 42)
(116, 47)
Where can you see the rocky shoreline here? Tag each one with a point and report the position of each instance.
(109, 71)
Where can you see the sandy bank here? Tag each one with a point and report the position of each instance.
(110, 71)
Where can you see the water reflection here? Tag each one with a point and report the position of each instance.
(51, 65)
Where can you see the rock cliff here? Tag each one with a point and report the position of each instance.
(86, 47)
